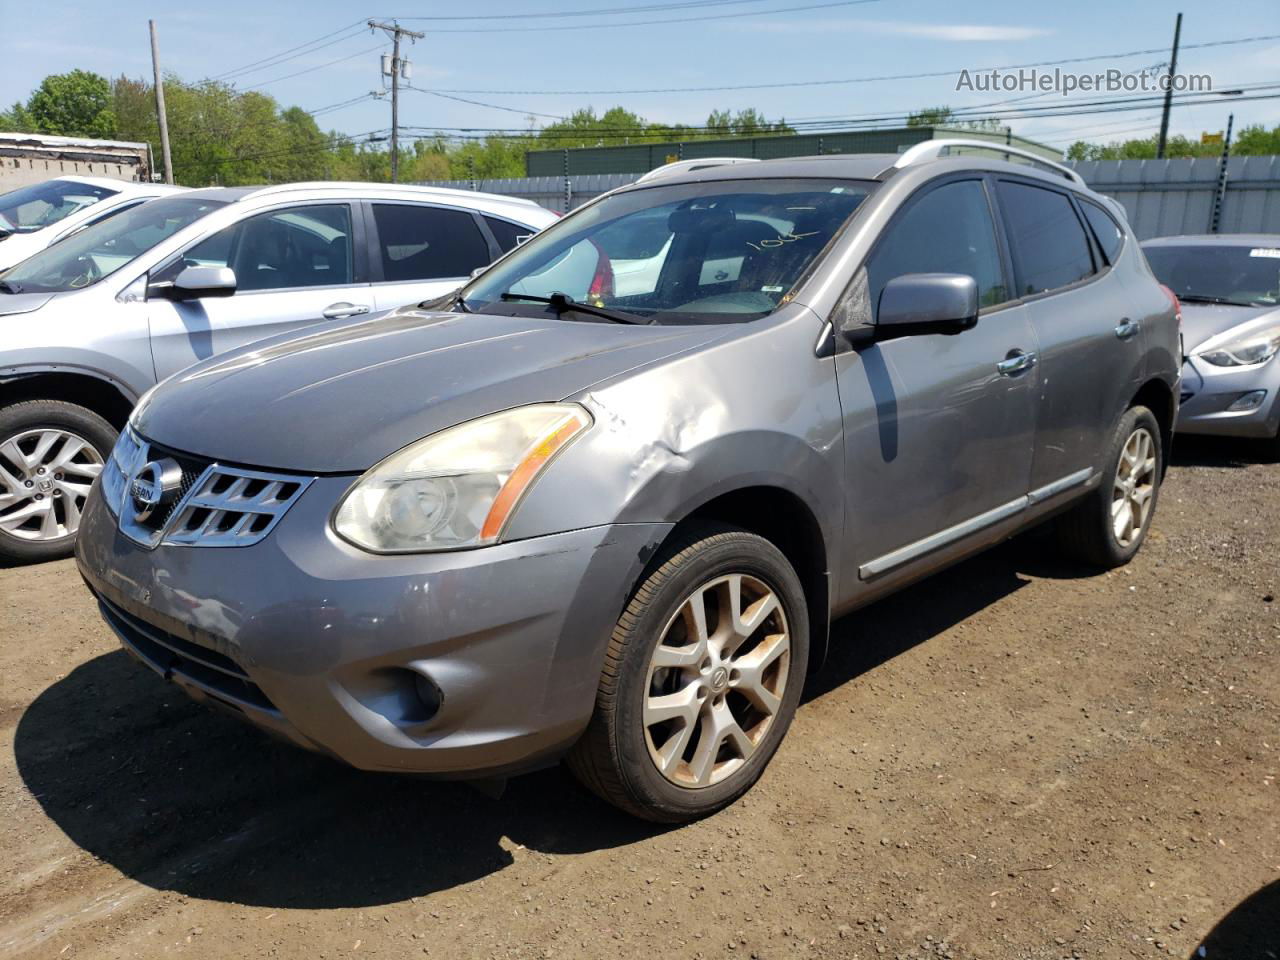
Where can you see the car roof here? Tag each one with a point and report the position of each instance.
(1216, 240)
(408, 190)
(123, 186)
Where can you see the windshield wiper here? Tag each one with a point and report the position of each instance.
(447, 303)
(1205, 298)
(8, 286)
(561, 303)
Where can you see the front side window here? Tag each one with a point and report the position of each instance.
(40, 205)
(1218, 273)
(1050, 248)
(685, 253)
(418, 242)
(98, 251)
(948, 230)
(304, 246)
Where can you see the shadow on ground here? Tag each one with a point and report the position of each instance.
(1249, 932)
(183, 798)
(1196, 451)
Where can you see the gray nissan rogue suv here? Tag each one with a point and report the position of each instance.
(604, 501)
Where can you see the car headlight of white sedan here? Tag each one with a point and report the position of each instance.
(1243, 349)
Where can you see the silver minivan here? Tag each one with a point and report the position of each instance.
(94, 321)
(552, 516)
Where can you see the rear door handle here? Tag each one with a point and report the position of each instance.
(1126, 329)
(337, 311)
(1015, 363)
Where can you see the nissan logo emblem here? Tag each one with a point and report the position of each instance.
(154, 486)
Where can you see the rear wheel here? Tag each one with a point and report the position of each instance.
(703, 675)
(1108, 526)
(50, 453)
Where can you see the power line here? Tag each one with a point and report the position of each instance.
(277, 61)
(275, 57)
(645, 23)
(604, 11)
(290, 76)
(1075, 110)
(369, 136)
(491, 106)
(867, 79)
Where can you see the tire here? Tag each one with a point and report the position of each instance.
(1088, 531)
(67, 470)
(618, 756)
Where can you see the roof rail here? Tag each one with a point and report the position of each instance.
(688, 166)
(933, 149)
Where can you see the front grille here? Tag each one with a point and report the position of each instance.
(214, 505)
(214, 673)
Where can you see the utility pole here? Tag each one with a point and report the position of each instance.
(160, 115)
(397, 69)
(1168, 93)
(1220, 192)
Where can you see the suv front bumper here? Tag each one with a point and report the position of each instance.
(474, 662)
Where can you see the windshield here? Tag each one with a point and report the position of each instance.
(40, 205)
(1249, 276)
(102, 249)
(686, 253)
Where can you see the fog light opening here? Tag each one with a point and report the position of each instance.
(429, 695)
(1247, 401)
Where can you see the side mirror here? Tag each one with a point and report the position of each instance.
(918, 303)
(196, 283)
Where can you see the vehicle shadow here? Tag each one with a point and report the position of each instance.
(1197, 451)
(1252, 929)
(180, 797)
(867, 638)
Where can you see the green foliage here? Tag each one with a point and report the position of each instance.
(1253, 140)
(943, 117)
(75, 104)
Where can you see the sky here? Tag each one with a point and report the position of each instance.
(319, 54)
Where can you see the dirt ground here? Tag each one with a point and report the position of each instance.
(1015, 759)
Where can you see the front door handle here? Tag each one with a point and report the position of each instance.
(337, 311)
(1126, 329)
(1015, 363)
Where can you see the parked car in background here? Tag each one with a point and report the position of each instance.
(1229, 286)
(91, 323)
(40, 214)
(559, 520)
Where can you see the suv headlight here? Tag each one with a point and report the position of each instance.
(456, 488)
(1256, 346)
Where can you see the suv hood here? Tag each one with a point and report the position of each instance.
(1200, 321)
(337, 399)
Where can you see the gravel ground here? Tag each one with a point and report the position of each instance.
(1016, 758)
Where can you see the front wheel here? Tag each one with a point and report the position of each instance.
(50, 452)
(702, 677)
(1109, 525)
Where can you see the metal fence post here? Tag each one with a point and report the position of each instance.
(568, 187)
(1220, 194)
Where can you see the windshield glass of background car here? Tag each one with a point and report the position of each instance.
(687, 253)
(1237, 274)
(40, 205)
(102, 249)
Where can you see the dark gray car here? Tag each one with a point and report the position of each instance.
(541, 519)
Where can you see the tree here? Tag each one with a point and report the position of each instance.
(944, 116)
(1253, 140)
(75, 104)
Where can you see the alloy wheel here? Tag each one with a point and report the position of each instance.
(716, 680)
(1134, 487)
(45, 476)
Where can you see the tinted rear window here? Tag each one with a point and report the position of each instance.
(1050, 249)
(508, 234)
(1109, 234)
